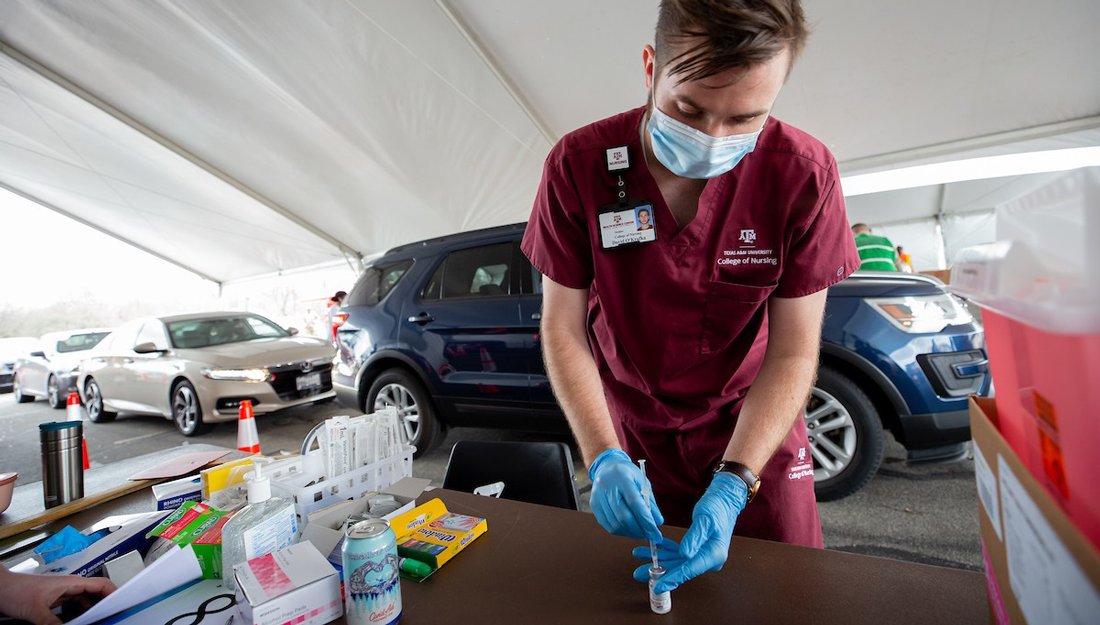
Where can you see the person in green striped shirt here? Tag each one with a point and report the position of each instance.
(875, 253)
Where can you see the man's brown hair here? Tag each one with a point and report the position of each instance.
(726, 34)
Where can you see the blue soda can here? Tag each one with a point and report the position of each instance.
(372, 588)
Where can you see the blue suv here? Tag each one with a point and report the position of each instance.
(447, 331)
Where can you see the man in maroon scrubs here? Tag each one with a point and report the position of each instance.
(749, 230)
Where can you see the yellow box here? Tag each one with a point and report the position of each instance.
(418, 517)
(214, 479)
(441, 539)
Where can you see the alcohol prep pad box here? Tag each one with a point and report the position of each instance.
(293, 585)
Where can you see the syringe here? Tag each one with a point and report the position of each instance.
(648, 494)
(659, 603)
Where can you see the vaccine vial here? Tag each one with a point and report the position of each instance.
(662, 603)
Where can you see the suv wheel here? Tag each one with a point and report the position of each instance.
(846, 436)
(186, 410)
(399, 389)
(94, 402)
(17, 390)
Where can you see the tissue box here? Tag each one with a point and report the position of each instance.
(293, 585)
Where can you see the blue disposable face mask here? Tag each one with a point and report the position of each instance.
(689, 153)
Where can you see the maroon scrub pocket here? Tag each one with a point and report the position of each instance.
(729, 308)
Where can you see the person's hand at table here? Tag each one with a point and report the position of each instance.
(33, 597)
(622, 499)
(707, 542)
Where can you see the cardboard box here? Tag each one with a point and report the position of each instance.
(325, 526)
(217, 478)
(293, 585)
(128, 535)
(171, 495)
(208, 549)
(1039, 567)
(194, 524)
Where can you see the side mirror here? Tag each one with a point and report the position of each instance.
(292, 331)
(147, 348)
(37, 354)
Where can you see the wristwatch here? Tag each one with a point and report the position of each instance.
(741, 471)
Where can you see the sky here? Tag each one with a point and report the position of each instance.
(49, 257)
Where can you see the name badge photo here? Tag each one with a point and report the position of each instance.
(627, 226)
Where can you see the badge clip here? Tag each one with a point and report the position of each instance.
(618, 160)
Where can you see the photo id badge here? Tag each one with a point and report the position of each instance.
(629, 224)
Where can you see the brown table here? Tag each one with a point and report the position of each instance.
(547, 565)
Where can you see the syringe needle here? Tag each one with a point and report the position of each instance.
(646, 493)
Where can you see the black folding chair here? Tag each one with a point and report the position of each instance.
(539, 473)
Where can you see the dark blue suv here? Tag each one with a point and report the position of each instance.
(447, 331)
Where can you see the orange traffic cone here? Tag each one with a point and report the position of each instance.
(248, 439)
(75, 412)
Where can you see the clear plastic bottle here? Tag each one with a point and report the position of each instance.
(265, 525)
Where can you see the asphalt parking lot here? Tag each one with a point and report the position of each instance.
(919, 514)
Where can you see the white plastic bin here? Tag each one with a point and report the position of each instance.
(287, 477)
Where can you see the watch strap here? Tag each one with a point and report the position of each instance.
(741, 471)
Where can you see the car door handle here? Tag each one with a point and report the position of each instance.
(422, 318)
(536, 316)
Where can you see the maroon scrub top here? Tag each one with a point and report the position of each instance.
(678, 327)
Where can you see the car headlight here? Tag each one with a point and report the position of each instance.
(922, 314)
(238, 375)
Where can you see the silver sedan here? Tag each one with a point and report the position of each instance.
(197, 369)
(50, 370)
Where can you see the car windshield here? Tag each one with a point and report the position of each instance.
(80, 342)
(221, 330)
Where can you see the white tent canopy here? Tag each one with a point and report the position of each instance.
(258, 136)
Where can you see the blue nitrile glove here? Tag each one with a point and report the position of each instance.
(617, 497)
(706, 543)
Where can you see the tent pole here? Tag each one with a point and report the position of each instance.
(890, 159)
(26, 61)
(490, 62)
(941, 241)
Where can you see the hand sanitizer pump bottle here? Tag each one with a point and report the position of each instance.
(265, 525)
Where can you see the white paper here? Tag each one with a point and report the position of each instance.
(987, 490)
(175, 569)
(1048, 583)
(187, 601)
(124, 568)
